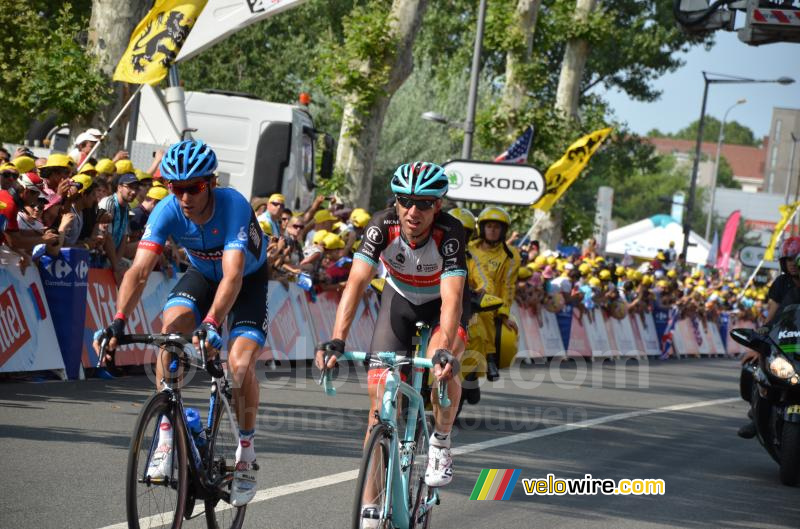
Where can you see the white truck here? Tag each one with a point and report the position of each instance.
(262, 147)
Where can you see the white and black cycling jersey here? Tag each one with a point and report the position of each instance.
(415, 271)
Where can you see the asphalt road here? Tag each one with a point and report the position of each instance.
(65, 448)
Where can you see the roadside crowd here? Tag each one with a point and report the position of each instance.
(72, 200)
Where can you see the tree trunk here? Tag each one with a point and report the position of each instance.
(110, 29)
(360, 132)
(516, 84)
(569, 83)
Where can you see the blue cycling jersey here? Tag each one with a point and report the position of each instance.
(232, 226)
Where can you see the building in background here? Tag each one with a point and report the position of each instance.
(785, 122)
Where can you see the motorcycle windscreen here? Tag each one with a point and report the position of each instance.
(786, 331)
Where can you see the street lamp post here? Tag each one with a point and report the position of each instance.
(720, 79)
(472, 100)
(716, 165)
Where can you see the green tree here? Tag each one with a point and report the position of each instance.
(735, 132)
(44, 67)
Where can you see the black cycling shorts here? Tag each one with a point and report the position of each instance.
(395, 329)
(249, 316)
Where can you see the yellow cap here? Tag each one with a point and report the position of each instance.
(605, 275)
(124, 166)
(594, 282)
(59, 160)
(24, 164)
(158, 193)
(266, 226)
(88, 169)
(277, 197)
(360, 220)
(84, 180)
(9, 167)
(551, 260)
(324, 215)
(337, 226)
(106, 165)
(465, 216)
(647, 280)
(672, 274)
(141, 175)
(319, 235)
(331, 241)
(584, 269)
(620, 270)
(158, 183)
(524, 273)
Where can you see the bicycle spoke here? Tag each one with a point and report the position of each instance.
(222, 454)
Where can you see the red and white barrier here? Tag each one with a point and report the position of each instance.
(27, 337)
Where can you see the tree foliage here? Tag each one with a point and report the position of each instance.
(735, 133)
(43, 65)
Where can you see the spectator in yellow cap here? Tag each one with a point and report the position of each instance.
(313, 253)
(323, 221)
(81, 197)
(56, 173)
(24, 164)
(106, 168)
(275, 205)
(8, 175)
(142, 212)
(124, 166)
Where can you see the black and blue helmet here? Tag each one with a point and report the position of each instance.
(421, 179)
(188, 159)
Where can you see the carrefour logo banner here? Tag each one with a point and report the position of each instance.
(496, 183)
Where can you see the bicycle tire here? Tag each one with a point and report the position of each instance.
(416, 480)
(375, 461)
(222, 444)
(139, 504)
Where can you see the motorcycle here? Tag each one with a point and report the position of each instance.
(773, 390)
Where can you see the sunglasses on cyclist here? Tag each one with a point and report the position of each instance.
(408, 202)
(192, 189)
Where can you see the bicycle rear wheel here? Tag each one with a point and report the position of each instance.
(156, 503)
(222, 446)
(371, 486)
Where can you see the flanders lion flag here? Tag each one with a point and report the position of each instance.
(788, 212)
(561, 174)
(157, 40)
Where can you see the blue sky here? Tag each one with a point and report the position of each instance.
(682, 91)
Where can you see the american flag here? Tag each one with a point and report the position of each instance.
(518, 152)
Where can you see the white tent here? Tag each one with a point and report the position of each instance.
(645, 238)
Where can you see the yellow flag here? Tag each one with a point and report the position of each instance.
(157, 40)
(565, 171)
(787, 212)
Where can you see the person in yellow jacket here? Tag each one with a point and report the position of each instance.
(499, 265)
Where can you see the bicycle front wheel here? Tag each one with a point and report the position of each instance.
(372, 484)
(160, 502)
(222, 446)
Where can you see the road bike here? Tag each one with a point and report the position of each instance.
(392, 473)
(202, 464)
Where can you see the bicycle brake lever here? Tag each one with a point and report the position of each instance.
(444, 399)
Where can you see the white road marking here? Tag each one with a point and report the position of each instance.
(341, 477)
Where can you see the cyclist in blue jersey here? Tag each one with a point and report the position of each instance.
(227, 279)
(423, 251)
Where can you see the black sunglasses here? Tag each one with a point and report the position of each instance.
(408, 202)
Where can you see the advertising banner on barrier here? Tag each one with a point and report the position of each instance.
(644, 329)
(101, 305)
(597, 334)
(564, 319)
(529, 342)
(27, 337)
(578, 339)
(64, 278)
(624, 340)
(290, 335)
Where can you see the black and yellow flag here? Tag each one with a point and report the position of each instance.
(565, 171)
(157, 40)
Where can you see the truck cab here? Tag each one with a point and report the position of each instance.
(262, 147)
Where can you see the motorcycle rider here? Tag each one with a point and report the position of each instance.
(784, 291)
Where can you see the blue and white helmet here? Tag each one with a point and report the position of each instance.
(421, 179)
(188, 159)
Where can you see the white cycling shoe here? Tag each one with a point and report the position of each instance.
(160, 462)
(243, 487)
(440, 467)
